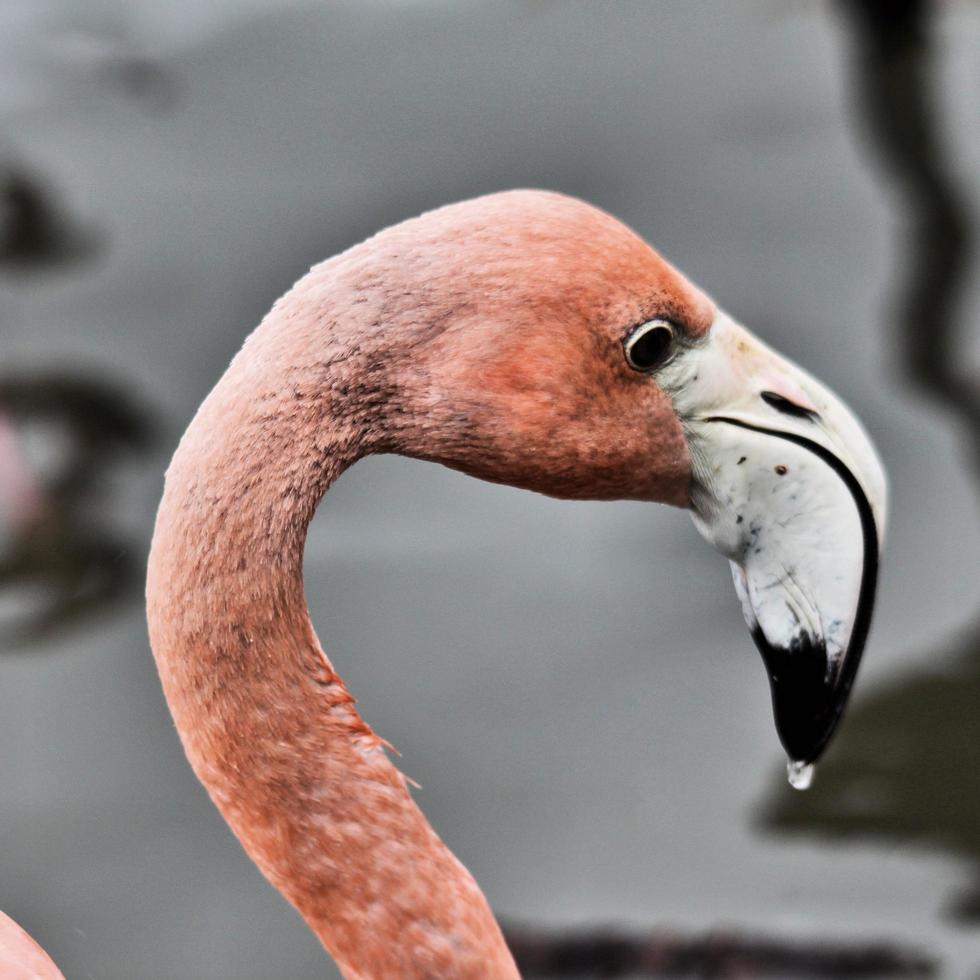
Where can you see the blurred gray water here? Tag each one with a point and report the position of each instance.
(571, 683)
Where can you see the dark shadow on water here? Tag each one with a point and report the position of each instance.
(36, 234)
(149, 83)
(905, 769)
(721, 954)
(900, 122)
(68, 549)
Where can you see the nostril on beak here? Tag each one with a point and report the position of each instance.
(784, 405)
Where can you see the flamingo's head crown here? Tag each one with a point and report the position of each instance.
(531, 303)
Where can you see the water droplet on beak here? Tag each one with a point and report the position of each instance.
(800, 774)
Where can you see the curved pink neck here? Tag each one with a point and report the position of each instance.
(266, 722)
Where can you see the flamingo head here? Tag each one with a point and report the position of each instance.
(562, 354)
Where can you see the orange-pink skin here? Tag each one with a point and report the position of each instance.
(486, 336)
(20, 956)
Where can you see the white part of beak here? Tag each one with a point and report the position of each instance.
(786, 485)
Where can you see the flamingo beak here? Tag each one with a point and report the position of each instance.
(786, 485)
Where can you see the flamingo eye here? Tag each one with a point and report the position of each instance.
(649, 345)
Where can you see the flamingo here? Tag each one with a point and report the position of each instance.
(525, 338)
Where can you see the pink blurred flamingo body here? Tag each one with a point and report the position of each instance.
(20, 956)
(20, 495)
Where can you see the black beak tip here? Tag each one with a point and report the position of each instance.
(808, 697)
